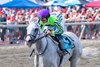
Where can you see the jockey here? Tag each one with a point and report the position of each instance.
(55, 28)
(58, 15)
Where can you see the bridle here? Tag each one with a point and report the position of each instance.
(36, 37)
(33, 36)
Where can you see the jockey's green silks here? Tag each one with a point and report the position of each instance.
(52, 22)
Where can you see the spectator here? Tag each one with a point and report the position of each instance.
(3, 29)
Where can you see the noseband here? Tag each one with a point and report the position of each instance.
(34, 37)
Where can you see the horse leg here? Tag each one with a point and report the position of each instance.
(74, 61)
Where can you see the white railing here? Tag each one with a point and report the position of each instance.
(65, 25)
(18, 25)
(82, 23)
(75, 23)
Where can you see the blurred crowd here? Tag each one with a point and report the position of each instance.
(83, 15)
(91, 15)
(24, 16)
(14, 17)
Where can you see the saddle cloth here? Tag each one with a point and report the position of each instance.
(68, 43)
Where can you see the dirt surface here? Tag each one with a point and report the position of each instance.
(18, 56)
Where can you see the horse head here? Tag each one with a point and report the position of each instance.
(32, 32)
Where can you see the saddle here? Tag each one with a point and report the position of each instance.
(68, 45)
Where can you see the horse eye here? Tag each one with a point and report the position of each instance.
(29, 40)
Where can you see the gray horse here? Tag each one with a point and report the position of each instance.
(45, 49)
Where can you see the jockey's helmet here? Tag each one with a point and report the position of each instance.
(44, 13)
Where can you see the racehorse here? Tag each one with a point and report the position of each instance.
(45, 49)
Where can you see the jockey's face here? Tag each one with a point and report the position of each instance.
(44, 20)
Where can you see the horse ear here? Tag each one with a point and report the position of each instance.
(37, 20)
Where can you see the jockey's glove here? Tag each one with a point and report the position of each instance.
(50, 32)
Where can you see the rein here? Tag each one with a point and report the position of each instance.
(40, 38)
(45, 47)
(37, 54)
(36, 41)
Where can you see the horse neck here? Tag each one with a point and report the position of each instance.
(45, 44)
(41, 44)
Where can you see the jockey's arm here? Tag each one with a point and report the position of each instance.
(59, 29)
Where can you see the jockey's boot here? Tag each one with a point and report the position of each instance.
(61, 46)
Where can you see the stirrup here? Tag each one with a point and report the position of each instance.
(66, 51)
(61, 52)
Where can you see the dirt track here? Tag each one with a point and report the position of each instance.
(18, 56)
